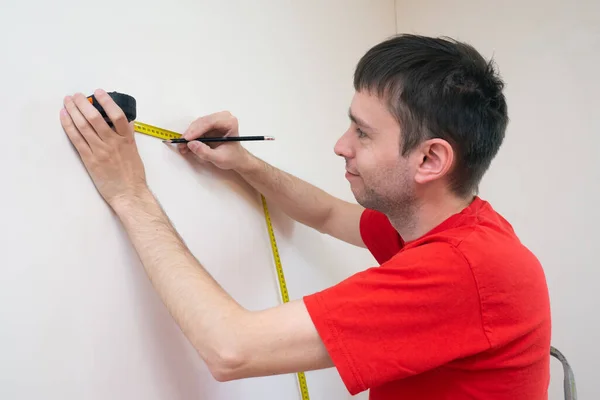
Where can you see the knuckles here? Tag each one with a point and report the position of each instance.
(101, 155)
(118, 118)
(223, 119)
(96, 119)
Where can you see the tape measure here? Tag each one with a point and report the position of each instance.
(128, 105)
(282, 286)
(126, 102)
(155, 131)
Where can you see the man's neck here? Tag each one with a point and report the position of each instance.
(415, 222)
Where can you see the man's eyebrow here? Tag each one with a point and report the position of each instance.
(357, 120)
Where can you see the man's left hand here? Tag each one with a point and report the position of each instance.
(110, 155)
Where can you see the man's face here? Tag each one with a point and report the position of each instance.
(380, 178)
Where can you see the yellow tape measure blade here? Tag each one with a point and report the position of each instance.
(303, 386)
(280, 276)
(154, 131)
(282, 286)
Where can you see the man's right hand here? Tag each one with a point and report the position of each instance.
(297, 198)
(223, 155)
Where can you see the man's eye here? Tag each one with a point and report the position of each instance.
(360, 132)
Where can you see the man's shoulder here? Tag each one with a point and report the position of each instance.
(489, 243)
(510, 279)
(490, 246)
(479, 234)
(478, 231)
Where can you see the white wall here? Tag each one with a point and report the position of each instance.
(79, 318)
(546, 177)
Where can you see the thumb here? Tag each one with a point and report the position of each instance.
(200, 149)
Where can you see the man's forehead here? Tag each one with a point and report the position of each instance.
(370, 110)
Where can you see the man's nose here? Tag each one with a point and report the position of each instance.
(343, 146)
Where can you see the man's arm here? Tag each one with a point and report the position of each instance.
(234, 342)
(304, 202)
(299, 199)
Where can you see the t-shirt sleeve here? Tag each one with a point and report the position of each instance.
(417, 311)
(379, 235)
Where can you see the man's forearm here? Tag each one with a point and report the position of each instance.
(205, 312)
(299, 199)
(233, 341)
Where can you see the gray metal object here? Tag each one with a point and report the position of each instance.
(569, 377)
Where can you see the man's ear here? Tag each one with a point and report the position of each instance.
(436, 157)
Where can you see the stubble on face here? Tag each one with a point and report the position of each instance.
(389, 190)
(380, 177)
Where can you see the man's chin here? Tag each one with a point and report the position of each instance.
(364, 197)
(359, 195)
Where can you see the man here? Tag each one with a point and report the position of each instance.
(458, 308)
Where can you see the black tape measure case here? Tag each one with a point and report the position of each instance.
(126, 102)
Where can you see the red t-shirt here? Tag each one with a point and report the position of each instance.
(461, 313)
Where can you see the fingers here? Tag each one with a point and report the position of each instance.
(93, 117)
(72, 132)
(201, 150)
(183, 148)
(82, 125)
(222, 121)
(114, 112)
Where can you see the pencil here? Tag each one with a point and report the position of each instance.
(221, 139)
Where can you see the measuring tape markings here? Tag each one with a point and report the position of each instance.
(165, 135)
(282, 286)
(154, 131)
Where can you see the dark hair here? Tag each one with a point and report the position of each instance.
(440, 88)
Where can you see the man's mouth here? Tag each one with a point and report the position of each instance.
(349, 171)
